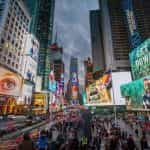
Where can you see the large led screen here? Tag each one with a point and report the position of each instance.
(140, 60)
(137, 93)
(10, 83)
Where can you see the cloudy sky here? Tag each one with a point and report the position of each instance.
(72, 25)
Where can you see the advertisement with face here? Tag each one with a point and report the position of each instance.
(140, 99)
(10, 83)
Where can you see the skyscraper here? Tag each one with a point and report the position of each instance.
(14, 25)
(57, 64)
(42, 12)
(96, 41)
(119, 26)
(73, 65)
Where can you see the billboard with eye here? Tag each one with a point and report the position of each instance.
(10, 83)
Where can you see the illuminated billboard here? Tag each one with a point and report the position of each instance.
(134, 36)
(39, 100)
(10, 83)
(74, 86)
(137, 93)
(140, 60)
(98, 93)
(52, 82)
(32, 46)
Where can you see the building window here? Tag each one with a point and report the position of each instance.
(4, 58)
(10, 54)
(2, 41)
(13, 42)
(8, 61)
(8, 38)
(13, 64)
(16, 66)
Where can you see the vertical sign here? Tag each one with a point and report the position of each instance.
(134, 35)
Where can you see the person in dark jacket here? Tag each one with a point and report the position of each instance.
(42, 141)
(131, 143)
(27, 143)
(144, 143)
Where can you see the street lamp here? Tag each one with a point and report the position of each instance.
(114, 103)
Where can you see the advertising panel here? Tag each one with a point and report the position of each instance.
(74, 86)
(98, 93)
(32, 47)
(137, 93)
(134, 35)
(118, 79)
(39, 99)
(27, 90)
(10, 83)
(52, 83)
(140, 60)
(30, 67)
(7, 105)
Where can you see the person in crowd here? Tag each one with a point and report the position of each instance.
(84, 142)
(131, 143)
(137, 132)
(27, 143)
(42, 143)
(144, 143)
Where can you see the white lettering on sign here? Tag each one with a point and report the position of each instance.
(131, 21)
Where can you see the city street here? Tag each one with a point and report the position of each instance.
(74, 74)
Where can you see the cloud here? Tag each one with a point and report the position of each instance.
(72, 25)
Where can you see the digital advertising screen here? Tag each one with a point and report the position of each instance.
(10, 83)
(98, 93)
(137, 93)
(134, 36)
(140, 60)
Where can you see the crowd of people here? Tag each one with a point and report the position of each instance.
(97, 134)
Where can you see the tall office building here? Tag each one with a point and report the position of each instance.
(42, 12)
(118, 28)
(73, 65)
(14, 25)
(57, 64)
(33, 7)
(96, 41)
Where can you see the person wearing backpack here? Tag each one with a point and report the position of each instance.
(42, 141)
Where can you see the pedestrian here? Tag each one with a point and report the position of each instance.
(131, 143)
(136, 132)
(27, 143)
(42, 141)
(144, 143)
(84, 142)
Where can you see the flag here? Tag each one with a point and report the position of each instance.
(54, 46)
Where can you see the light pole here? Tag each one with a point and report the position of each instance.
(113, 96)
